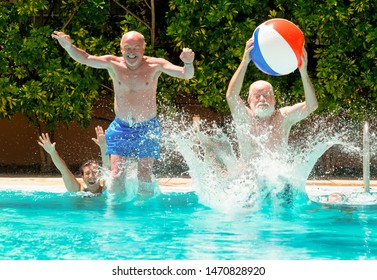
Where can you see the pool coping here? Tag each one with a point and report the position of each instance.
(55, 184)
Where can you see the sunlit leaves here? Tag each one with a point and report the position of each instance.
(217, 32)
(340, 39)
(38, 78)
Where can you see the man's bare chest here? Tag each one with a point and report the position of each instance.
(272, 128)
(142, 79)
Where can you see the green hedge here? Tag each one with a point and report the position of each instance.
(40, 80)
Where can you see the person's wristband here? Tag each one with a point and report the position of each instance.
(188, 64)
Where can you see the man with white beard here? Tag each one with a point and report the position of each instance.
(262, 129)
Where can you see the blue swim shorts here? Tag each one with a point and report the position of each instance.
(141, 140)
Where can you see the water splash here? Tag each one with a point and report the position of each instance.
(353, 141)
(131, 185)
(234, 180)
(231, 180)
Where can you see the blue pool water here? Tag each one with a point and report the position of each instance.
(176, 226)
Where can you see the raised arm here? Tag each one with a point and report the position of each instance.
(79, 55)
(70, 181)
(186, 72)
(236, 104)
(101, 142)
(301, 110)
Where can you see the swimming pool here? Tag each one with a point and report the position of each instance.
(53, 225)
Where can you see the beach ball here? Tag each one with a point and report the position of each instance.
(278, 47)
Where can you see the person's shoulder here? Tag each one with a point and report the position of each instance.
(155, 60)
(102, 183)
(82, 187)
(283, 112)
(110, 58)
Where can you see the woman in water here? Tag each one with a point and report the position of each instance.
(90, 171)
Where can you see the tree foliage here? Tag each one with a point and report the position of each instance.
(217, 31)
(340, 39)
(344, 34)
(37, 76)
(40, 80)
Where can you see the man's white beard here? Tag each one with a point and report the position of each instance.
(132, 63)
(131, 60)
(264, 111)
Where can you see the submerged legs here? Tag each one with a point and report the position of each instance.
(120, 171)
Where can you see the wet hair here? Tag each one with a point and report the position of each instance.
(88, 163)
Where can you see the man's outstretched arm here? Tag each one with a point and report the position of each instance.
(79, 55)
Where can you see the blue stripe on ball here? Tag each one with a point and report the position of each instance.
(257, 57)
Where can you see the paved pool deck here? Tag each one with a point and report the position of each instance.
(55, 184)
